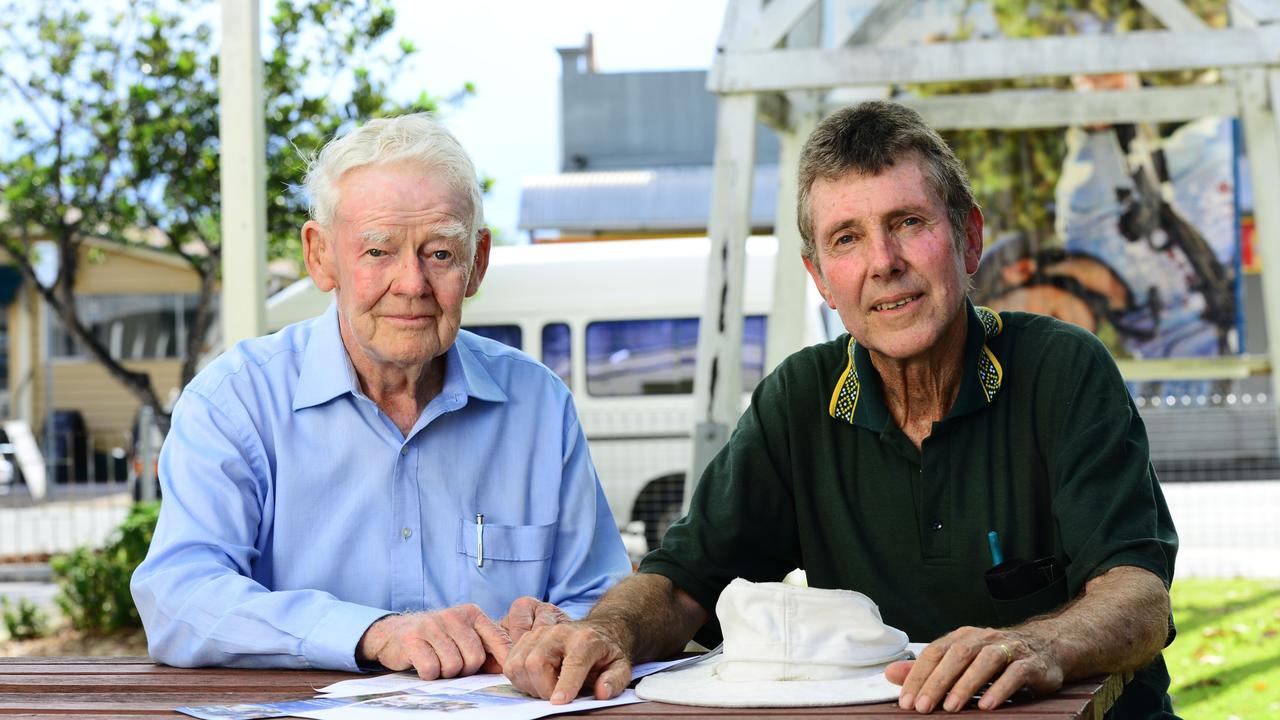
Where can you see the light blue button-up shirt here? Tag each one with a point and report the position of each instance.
(296, 513)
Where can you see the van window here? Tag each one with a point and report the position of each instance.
(657, 357)
(555, 349)
(505, 334)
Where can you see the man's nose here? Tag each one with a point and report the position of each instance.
(411, 276)
(884, 255)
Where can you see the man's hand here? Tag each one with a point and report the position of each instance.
(953, 668)
(527, 613)
(556, 662)
(448, 643)
(1117, 624)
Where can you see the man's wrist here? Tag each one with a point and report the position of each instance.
(1045, 639)
(616, 631)
(374, 639)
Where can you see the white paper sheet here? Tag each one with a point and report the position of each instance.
(408, 680)
(490, 703)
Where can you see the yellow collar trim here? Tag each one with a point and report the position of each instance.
(844, 400)
(990, 374)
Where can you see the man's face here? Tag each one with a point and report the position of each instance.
(398, 259)
(886, 259)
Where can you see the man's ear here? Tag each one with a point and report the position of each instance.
(479, 263)
(820, 282)
(317, 254)
(973, 241)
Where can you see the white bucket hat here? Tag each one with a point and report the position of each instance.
(788, 646)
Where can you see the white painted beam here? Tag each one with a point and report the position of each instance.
(244, 186)
(1142, 51)
(776, 20)
(1174, 14)
(740, 17)
(1022, 109)
(1225, 367)
(877, 23)
(1259, 11)
(787, 316)
(717, 384)
(1259, 100)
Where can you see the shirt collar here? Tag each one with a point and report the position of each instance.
(466, 373)
(322, 377)
(858, 400)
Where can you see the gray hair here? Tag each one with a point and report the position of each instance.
(418, 139)
(869, 138)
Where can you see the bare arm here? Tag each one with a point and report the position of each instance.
(1117, 623)
(643, 618)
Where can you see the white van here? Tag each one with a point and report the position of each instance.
(618, 321)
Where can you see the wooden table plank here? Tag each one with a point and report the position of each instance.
(101, 702)
(68, 688)
(268, 680)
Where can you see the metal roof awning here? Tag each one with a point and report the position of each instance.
(634, 201)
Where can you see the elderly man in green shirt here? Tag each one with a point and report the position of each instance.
(881, 461)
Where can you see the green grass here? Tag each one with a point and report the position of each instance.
(1225, 662)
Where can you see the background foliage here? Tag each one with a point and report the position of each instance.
(115, 132)
(23, 620)
(1225, 661)
(93, 585)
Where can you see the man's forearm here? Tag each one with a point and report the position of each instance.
(648, 617)
(1119, 623)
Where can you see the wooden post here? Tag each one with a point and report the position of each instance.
(243, 159)
(1259, 101)
(717, 384)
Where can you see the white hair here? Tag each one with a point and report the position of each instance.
(418, 139)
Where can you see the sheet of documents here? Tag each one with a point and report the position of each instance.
(404, 695)
(409, 680)
(498, 702)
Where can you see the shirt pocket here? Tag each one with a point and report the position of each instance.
(516, 562)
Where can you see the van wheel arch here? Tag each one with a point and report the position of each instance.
(659, 505)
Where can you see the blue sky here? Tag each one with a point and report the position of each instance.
(507, 49)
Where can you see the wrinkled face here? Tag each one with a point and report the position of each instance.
(886, 260)
(398, 259)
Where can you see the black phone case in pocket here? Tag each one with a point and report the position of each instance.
(1022, 589)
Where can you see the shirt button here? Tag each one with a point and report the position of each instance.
(404, 450)
(406, 533)
(936, 526)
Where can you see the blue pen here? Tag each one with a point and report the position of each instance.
(993, 540)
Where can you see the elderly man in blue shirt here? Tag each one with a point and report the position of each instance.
(375, 485)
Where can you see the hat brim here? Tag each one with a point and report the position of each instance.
(697, 684)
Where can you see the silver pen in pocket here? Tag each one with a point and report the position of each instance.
(479, 540)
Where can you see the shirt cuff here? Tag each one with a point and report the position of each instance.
(577, 611)
(332, 644)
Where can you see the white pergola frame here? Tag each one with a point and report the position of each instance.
(243, 159)
(771, 65)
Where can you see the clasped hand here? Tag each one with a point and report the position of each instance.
(453, 642)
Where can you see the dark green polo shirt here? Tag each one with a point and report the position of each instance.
(1043, 445)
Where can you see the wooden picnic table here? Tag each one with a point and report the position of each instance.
(135, 687)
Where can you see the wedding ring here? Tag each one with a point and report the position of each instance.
(1008, 654)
